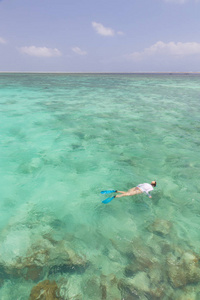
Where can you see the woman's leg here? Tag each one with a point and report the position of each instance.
(131, 192)
(122, 195)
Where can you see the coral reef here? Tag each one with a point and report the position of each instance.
(44, 259)
(45, 290)
(149, 269)
(160, 227)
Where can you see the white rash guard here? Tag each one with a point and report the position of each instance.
(145, 188)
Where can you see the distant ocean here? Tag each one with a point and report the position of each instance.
(66, 137)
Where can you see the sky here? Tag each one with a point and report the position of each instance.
(100, 35)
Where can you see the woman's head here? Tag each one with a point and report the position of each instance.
(153, 183)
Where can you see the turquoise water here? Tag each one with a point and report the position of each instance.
(66, 137)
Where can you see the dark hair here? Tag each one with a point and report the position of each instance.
(154, 184)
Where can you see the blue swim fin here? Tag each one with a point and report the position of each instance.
(108, 200)
(108, 192)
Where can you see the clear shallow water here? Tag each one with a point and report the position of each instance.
(66, 137)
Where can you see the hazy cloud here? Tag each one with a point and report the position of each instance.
(100, 29)
(77, 50)
(167, 49)
(106, 31)
(40, 51)
(180, 1)
(2, 41)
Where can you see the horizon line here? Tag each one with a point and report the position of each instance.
(110, 72)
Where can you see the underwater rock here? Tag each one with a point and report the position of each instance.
(45, 290)
(140, 282)
(141, 287)
(43, 259)
(156, 275)
(63, 259)
(56, 259)
(187, 296)
(70, 288)
(34, 273)
(183, 270)
(160, 227)
(121, 245)
(3, 274)
(165, 247)
(109, 287)
(128, 292)
(31, 267)
(158, 292)
(176, 273)
(131, 270)
(1, 282)
(92, 288)
(143, 255)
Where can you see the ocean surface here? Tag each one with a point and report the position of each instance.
(66, 137)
